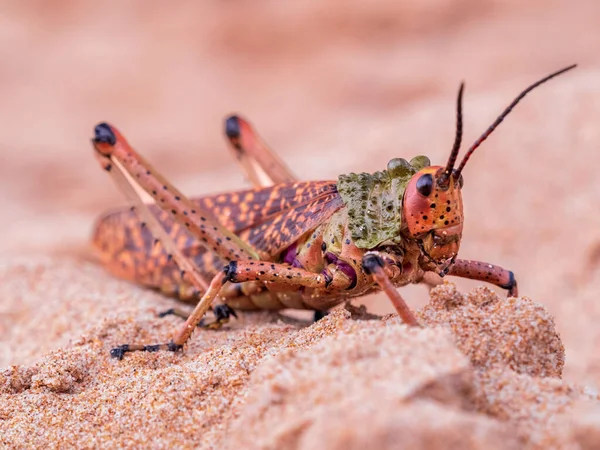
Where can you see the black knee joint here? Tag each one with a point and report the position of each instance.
(103, 133)
(230, 271)
(371, 262)
(232, 127)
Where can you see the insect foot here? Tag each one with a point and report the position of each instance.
(511, 286)
(119, 352)
(222, 314)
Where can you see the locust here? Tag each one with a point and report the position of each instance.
(286, 243)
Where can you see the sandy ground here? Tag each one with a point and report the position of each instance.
(333, 87)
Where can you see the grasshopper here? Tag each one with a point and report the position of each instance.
(286, 243)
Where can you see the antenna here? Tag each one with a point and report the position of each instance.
(502, 116)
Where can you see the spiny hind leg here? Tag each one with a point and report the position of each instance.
(239, 272)
(262, 166)
(118, 158)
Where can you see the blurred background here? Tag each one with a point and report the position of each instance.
(333, 86)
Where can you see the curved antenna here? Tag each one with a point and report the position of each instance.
(457, 138)
(505, 113)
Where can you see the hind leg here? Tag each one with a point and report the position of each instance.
(263, 167)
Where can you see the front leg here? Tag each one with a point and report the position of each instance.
(373, 264)
(239, 272)
(489, 273)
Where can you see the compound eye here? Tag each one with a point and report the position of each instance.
(425, 185)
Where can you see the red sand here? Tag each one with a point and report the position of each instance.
(485, 371)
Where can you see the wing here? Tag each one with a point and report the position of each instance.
(247, 209)
(270, 219)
